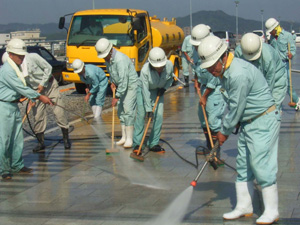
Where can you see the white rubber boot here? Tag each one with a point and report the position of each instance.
(129, 135)
(94, 109)
(98, 112)
(270, 198)
(123, 138)
(244, 193)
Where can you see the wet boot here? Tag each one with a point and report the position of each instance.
(220, 162)
(123, 138)
(202, 150)
(129, 135)
(186, 80)
(40, 146)
(244, 193)
(270, 198)
(66, 139)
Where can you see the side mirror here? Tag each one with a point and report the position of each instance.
(136, 23)
(61, 23)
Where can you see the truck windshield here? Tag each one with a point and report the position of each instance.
(87, 30)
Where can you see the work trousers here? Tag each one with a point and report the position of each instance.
(258, 149)
(127, 107)
(40, 114)
(215, 106)
(139, 125)
(98, 98)
(11, 138)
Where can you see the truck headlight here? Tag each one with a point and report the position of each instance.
(68, 64)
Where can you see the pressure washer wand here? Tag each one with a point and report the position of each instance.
(71, 112)
(210, 159)
(178, 79)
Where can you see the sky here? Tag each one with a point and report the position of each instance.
(48, 11)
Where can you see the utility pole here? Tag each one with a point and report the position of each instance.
(262, 19)
(191, 19)
(93, 4)
(236, 17)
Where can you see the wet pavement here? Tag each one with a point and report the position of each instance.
(84, 185)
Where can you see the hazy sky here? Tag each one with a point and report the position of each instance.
(45, 11)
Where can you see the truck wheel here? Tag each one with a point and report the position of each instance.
(176, 72)
(80, 88)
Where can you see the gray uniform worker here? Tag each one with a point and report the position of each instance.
(268, 61)
(38, 75)
(250, 102)
(187, 58)
(124, 79)
(12, 87)
(155, 78)
(280, 40)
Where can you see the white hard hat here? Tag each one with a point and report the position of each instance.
(210, 50)
(251, 46)
(157, 57)
(198, 33)
(16, 46)
(293, 31)
(4, 57)
(103, 47)
(77, 65)
(271, 24)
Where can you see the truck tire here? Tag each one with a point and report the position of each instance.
(80, 88)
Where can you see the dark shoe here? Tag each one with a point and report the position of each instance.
(40, 146)
(7, 176)
(66, 139)
(25, 170)
(157, 149)
(200, 150)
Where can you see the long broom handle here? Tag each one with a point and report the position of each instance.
(290, 72)
(205, 118)
(113, 122)
(148, 124)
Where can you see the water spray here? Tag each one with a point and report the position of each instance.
(178, 79)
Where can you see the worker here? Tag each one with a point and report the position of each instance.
(155, 78)
(251, 104)
(211, 97)
(97, 83)
(12, 88)
(38, 75)
(187, 58)
(280, 39)
(268, 61)
(123, 79)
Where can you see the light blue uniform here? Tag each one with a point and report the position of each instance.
(248, 97)
(188, 48)
(215, 104)
(96, 78)
(272, 67)
(124, 76)
(281, 45)
(150, 81)
(11, 134)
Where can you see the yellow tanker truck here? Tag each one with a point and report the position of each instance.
(132, 32)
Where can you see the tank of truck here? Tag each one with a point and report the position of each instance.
(166, 34)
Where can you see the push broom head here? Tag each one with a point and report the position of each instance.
(292, 104)
(112, 151)
(137, 157)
